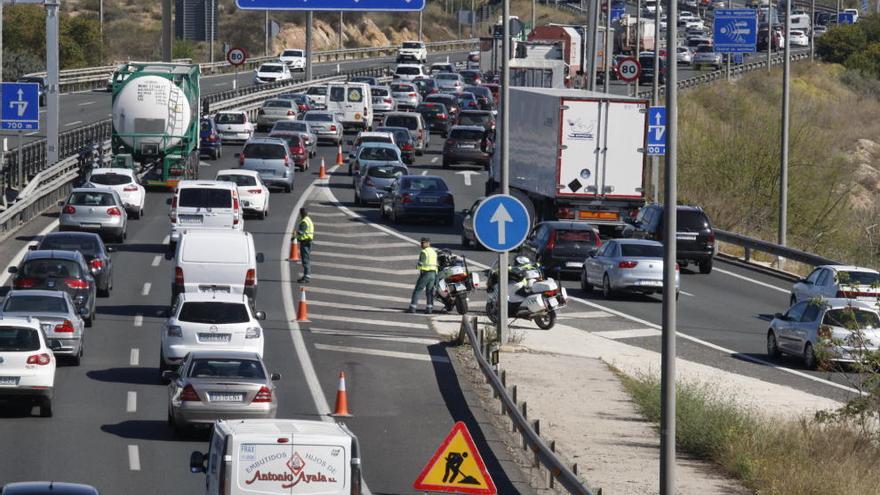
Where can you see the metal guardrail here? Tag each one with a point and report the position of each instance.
(531, 439)
(750, 244)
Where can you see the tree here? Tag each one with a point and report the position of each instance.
(840, 42)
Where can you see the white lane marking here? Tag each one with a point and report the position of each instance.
(361, 268)
(363, 281)
(146, 290)
(434, 160)
(138, 320)
(345, 225)
(628, 334)
(376, 245)
(32, 133)
(131, 402)
(374, 259)
(424, 172)
(352, 234)
(16, 260)
(320, 214)
(369, 321)
(356, 307)
(75, 122)
(724, 350)
(166, 240)
(156, 260)
(685, 293)
(362, 295)
(134, 458)
(467, 176)
(582, 314)
(379, 352)
(86, 103)
(135, 357)
(370, 336)
(757, 282)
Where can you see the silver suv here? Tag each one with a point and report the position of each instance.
(270, 157)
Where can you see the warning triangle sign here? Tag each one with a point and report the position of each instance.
(456, 467)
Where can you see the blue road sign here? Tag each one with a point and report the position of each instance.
(617, 12)
(21, 106)
(657, 131)
(501, 223)
(846, 18)
(735, 30)
(865, 6)
(357, 5)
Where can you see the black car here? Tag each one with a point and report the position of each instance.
(58, 270)
(695, 238)
(418, 196)
(483, 118)
(484, 96)
(426, 86)
(93, 249)
(446, 99)
(561, 246)
(38, 80)
(47, 487)
(404, 142)
(436, 117)
(468, 144)
(471, 77)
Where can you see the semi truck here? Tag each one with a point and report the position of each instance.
(626, 33)
(575, 155)
(533, 63)
(572, 43)
(155, 117)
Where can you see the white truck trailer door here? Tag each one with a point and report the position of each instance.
(624, 142)
(579, 155)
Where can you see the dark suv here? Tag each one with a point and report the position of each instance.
(695, 238)
(561, 246)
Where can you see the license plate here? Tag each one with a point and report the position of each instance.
(686, 237)
(225, 397)
(652, 283)
(467, 146)
(214, 337)
(189, 218)
(266, 172)
(214, 288)
(458, 287)
(428, 200)
(573, 264)
(552, 303)
(90, 225)
(9, 380)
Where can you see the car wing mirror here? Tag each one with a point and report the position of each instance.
(83, 311)
(12, 269)
(168, 201)
(170, 375)
(197, 462)
(111, 249)
(780, 316)
(261, 257)
(275, 377)
(32, 247)
(260, 315)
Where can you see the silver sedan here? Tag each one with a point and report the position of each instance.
(60, 321)
(98, 210)
(626, 265)
(325, 125)
(212, 385)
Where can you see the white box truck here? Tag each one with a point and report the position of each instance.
(575, 154)
(280, 456)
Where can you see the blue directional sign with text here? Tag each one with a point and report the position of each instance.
(357, 5)
(735, 30)
(21, 106)
(501, 223)
(657, 131)
(846, 18)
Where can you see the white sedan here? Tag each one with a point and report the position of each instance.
(272, 72)
(125, 182)
(252, 192)
(27, 364)
(799, 38)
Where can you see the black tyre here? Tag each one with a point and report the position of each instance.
(706, 266)
(89, 321)
(446, 163)
(104, 292)
(491, 311)
(811, 362)
(607, 291)
(461, 305)
(464, 241)
(46, 408)
(76, 360)
(545, 321)
(773, 346)
(586, 286)
(287, 189)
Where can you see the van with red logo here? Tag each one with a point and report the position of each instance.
(280, 456)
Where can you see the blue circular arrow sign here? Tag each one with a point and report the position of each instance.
(501, 223)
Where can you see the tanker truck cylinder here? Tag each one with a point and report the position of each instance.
(151, 114)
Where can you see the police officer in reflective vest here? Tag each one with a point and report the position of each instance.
(427, 277)
(305, 232)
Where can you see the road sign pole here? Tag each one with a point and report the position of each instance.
(1, 40)
(667, 356)
(505, 164)
(655, 87)
(593, 45)
(309, 22)
(783, 168)
(606, 49)
(20, 165)
(53, 100)
(638, 41)
(769, 33)
(420, 25)
(813, 29)
(341, 27)
(166, 31)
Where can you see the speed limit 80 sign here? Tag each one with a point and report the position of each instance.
(236, 56)
(629, 69)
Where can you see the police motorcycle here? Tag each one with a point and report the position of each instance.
(530, 296)
(454, 281)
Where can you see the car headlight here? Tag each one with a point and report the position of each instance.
(174, 331)
(253, 333)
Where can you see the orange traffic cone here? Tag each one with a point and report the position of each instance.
(341, 398)
(294, 250)
(302, 312)
(322, 172)
(339, 160)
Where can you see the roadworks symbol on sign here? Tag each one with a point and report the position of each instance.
(456, 467)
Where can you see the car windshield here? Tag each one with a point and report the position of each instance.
(445, 76)
(465, 98)
(293, 53)
(705, 49)
(265, 151)
(852, 318)
(373, 139)
(270, 68)
(641, 250)
(227, 368)
(230, 118)
(408, 71)
(318, 117)
(575, 237)
(17, 339)
(290, 125)
(109, 179)
(317, 90)
(278, 104)
(91, 199)
(474, 119)
(379, 91)
(402, 88)
(85, 245)
(408, 121)
(205, 197)
(378, 154)
(239, 180)
(477, 90)
(424, 184)
(213, 312)
(432, 109)
(466, 134)
(35, 304)
(292, 140)
(411, 44)
(858, 278)
(50, 268)
(401, 136)
(691, 220)
(386, 171)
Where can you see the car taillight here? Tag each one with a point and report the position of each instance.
(333, 128)
(710, 239)
(298, 150)
(65, 327)
(458, 277)
(287, 161)
(68, 210)
(290, 113)
(411, 95)
(627, 264)
(255, 191)
(450, 142)
(677, 268)
(420, 134)
(303, 107)
(114, 211)
(388, 100)
(472, 103)
(264, 395)
(551, 293)
(484, 144)
(551, 243)
(492, 124)
(131, 188)
(441, 116)
(407, 147)
(253, 333)
(39, 359)
(241, 158)
(75, 283)
(188, 394)
(369, 182)
(96, 264)
(406, 199)
(213, 138)
(250, 278)
(562, 213)
(261, 111)
(449, 200)
(24, 283)
(178, 276)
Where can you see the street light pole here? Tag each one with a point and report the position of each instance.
(813, 31)
(638, 39)
(420, 25)
(655, 86)
(167, 34)
(593, 44)
(606, 50)
(769, 33)
(309, 21)
(505, 164)
(783, 169)
(340, 29)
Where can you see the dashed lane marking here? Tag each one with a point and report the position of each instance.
(156, 260)
(582, 314)
(424, 172)
(757, 282)
(86, 103)
(166, 240)
(374, 259)
(434, 160)
(370, 336)
(134, 458)
(75, 122)
(377, 245)
(131, 402)
(628, 334)
(361, 268)
(135, 357)
(361, 295)
(368, 321)
(383, 353)
(146, 290)
(363, 281)
(138, 320)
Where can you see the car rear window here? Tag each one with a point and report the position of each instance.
(379, 91)
(91, 199)
(373, 139)
(424, 184)
(400, 135)
(411, 122)
(50, 268)
(270, 68)
(110, 179)
(402, 88)
(691, 221)
(18, 339)
(279, 104)
(858, 278)
(211, 312)
(447, 76)
(408, 71)
(317, 90)
(289, 125)
(227, 368)
(266, 151)
(35, 304)
(431, 109)
(378, 154)
(239, 180)
(63, 242)
(641, 250)
(852, 318)
(469, 134)
(230, 118)
(205, 197)
(386, 171)
(293, 53)
(474, 119)
(412, 45)
(575, 237)
(319, 117)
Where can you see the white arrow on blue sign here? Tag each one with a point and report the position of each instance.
(501, 223)
(657, 131)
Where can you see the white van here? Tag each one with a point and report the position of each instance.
(216, 261)
(204, 204)
(801, 22)
(280, 456)
(352, 103)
